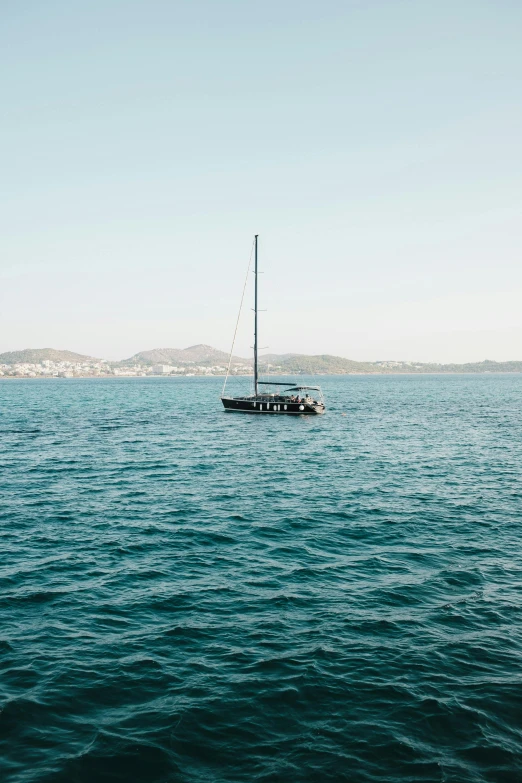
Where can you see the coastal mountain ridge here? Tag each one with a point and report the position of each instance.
(275, 364)
(194, 354)
(38, 355)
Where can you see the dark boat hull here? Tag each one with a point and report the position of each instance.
(246, 405)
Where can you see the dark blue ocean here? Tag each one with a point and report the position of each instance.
(193, 595)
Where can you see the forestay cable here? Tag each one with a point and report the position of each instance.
(238, 317)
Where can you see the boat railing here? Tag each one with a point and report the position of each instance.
(316, 400)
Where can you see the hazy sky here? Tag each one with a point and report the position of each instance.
(374, 145)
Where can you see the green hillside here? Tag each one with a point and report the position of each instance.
(323, 364)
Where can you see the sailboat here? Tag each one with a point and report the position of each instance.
(290, 399)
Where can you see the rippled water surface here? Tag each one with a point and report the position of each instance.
(193, 595)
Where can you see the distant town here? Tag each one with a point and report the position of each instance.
(203, 360)
(52, 363)
(103, 368)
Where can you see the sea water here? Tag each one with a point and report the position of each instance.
(193, 595)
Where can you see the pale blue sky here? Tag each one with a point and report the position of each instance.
(374, 146)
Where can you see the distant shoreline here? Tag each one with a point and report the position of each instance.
(237, 377)
(204, 360)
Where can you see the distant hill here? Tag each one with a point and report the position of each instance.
(204, 355)
(295, 363)
(37, 355)
(325, 364)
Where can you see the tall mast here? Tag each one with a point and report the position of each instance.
(255, 320)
